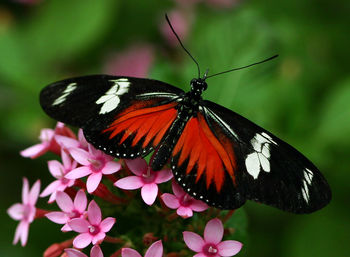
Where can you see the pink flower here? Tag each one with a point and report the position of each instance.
(91, 230)
(95, 252)
(69, 142)
(59, 171)
(95, 164)
(25, 211)
(155, 250)
(48, 142)
(70, 210)
(184, 203)
(135, 61)
(181, 25)
(145, 178)
(211, 246)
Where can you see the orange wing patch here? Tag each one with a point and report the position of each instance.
(148, 123)
(200, 146)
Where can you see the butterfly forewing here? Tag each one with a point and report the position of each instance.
(123, 116)
(269, 170)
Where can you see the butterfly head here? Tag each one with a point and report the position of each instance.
(198, 85)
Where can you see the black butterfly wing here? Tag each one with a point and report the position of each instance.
(267, 169)
(123, 116)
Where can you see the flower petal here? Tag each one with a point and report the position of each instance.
(177, 190)
(229, 248)
(170, 201)
(137, 166)
(56, 168)
(193, 241)
(66, 142)
(82, 240)
(15, 211)
(64, 202)
(24, 232)
(80, 155)
(71, 252)
(80, 201)
(78, 172)
(96, 251)
(34, 193)
(82, 140)
(52, 187)
(94, 213)
(107, 224)
(198, 205)
(25, 191)
(66, 228)
(128, 252)
(184, 212)
(66, 159)
(155, 250)
(129, 183)
(111, 167)
(93, 181)
(35, 150)
(149, 193)
(57, 217)
(79, 225)
(213, 231)
(94, 152)
(163, 176)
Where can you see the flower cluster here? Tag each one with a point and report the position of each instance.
(88, 183)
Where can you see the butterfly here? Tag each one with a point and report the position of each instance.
(215, 154)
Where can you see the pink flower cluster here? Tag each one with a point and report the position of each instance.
(77, 214)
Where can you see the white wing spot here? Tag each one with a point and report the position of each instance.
(260, 159)
(110, 99)
(308, 175)
(69, 89)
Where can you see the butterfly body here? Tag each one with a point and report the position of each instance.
(216, 155)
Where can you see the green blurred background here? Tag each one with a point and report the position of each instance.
(303, 96)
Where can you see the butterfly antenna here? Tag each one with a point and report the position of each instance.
(167, 19)
(240, 68)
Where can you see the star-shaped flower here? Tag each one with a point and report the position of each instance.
(211, 246)
(145, 178)
(184, 203)
(95, 164)
(155, 250)
(25, 211)
(70, 210)
(92, 230)
(59, 171)
(48, 142)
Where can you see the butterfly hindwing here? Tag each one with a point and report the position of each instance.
(123, 116)
(204, 164)
(269, 170)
